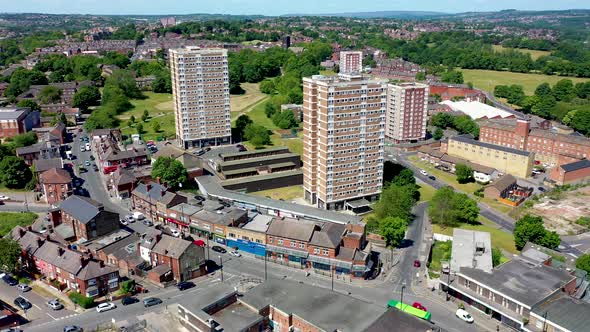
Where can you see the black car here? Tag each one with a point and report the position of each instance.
(22, 303)
(218, 249)
(185, 285)
(129, 300)
(432, 178)
(541, 189)
(151, 301)
(199, 198)
(73, 328)
(9, 280)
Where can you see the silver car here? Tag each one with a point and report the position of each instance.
(55, 304)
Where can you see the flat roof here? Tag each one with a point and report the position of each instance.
(236, 317)
(268, 176)
(476, 109)
(254, 152)
(569, 313)
(463, 253)
(257, 159)
(329, 311)
(467, 140)
(259, 223)
(214, 189)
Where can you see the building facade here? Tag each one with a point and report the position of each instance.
(200, 86)
(344, 137)
(56, 184)
(351, 62)
(15, 121)
(407, 112)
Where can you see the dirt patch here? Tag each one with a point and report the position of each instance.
(165, 106)
(560, 215)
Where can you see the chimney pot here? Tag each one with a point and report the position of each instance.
(101, 264)
(22, 232)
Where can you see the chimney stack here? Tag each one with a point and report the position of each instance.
(101, 264)
(82, 260)
(60, 251)
(39, 242)
(22, 232)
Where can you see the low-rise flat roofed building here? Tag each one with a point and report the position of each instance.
(560, 313)
(506, 160)
(16, 121)
(471, 249)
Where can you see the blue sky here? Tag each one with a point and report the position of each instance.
(273, 7)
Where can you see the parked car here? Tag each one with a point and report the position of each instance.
(123, 222)
(105, 307)
(417, 263)
(432, 178)
(73, 328)
(464, 316)
(175, 232)
(151, 301)
(541, 189)
(4, 198)
(199, 198)
(423, 172)
(9, 280)
(82, 148)
(23, 287)
(92, 157)
(87, 163)
(185, 285)
(55, 304)
(138, 216)
(95, 168)
(129, 300)
(87, 146)
(129, 218)
(419, 305)
(22, 303)
(219, 249)
(235, 253)
(148, 223)
(200, 152)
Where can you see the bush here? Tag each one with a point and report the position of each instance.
(127, 286)
(24, 280)
(479, 192)
(81, 300)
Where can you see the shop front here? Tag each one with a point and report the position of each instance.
(255, 248)
(219, 238)
(199, 230)
(182, 226)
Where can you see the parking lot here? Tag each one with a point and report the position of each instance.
(39, 312)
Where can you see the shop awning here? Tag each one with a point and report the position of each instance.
(174, 221)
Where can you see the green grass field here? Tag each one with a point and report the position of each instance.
(535, 54)
(241, 103)
(488, 79)
(426, 192)
(448, 178)
(328, 72)
(285, 193)
(9, 220)
(155, 103)
(500, 239)
(167, 127)
(441, 251)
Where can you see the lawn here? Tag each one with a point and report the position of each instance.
(285, 193)
(426, 192)
(443, 176)
(155, 103)
(500, 238)
(328, 72)
(295, 145)
(167, 127)
(494, 204)
(9, 220)
(258, 116)
(488, 79)
(240, 103)
(441, 251)
(535, 54)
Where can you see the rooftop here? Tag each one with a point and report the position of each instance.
(171, 246)
(476, 109)
(471, 249)
(467, 140)
(575, 166)
(12, 113)
(524, 282)
(570, 314)
(504, 182)
(301, 230)
(402, 322)
(259, 223)
(236, 317)
(42, 165)
(329, 311)
(55, 175)
(81, 208)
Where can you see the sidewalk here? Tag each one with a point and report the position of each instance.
(41, 287)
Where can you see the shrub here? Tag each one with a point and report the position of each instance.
(81, 300)
(24, 280)
(127, 286)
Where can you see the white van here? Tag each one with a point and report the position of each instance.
(138, 216)
(87, 146)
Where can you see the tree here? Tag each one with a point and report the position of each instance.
(551, 240)
(124, 80)
(563, 90)
(449, 208)
(583, 262)
(241, 123)
(132, 118)
(14, 173)
(544, 106)
(465, 125)
(393, 229)
(25, 139)
(438, 134)
(267, 86)
(145, 115)
(544, 89)
(581, 121)
(285, 119)
(496, 257)
(404, 177)
(85, 97)
(529, 228)
(30, 104)
(396, 201)
(170, 171)
(139, 128)
(10, 252)
(128, 286)
(62, 118)
(452, 76)
(464, 173)
(50, 95)
(156, 126)
(257, 135)
(421, 76)
(442, 120)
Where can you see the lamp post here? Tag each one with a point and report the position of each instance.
(207, 237)
(221, 263)
(448, 284)
(265, 275)
(402, 296)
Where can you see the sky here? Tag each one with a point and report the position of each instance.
(272, 7)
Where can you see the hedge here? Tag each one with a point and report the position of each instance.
(81, 300)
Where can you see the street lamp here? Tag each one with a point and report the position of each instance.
(221, 263)
(265, 276)
(402, 296)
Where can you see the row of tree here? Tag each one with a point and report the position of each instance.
(463, 124)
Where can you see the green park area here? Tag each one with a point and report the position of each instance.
(9, 220)
(285, 194)
(441, 252)
(443, 176)
(535, 54)
(242, 103)
(160, 110)
(488, 79)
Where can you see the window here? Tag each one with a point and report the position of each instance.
(302, 245)
(91, 282)
(293, 244)
(280, 242)
(316, 251)
(325, 252)
(269, 239)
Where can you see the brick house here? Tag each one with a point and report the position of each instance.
(182, 258)
(87, 218)
(154, 199)
(19, 120)
(500, 187)
(123, 254)
(576, 172)
(56, 185)
(41, 150)
(42, 165)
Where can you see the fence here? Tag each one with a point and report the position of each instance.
(441, 237)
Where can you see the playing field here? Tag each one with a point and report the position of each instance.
(534, 53)
(241, 103)
(488, 79)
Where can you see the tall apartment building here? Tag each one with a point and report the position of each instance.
(344, 135)
(351, 62)
(407, 111)
(200, 86)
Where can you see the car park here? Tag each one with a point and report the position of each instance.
(22, 303)
(55, 304)
(235, 254)
(9, 280)
(151, 301)
(105, 307)
(23, 287)
(464, 316)
(185, 285)
(219, 249)
(73, 328)
(129, 300)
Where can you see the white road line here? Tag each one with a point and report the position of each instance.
(36, 306)
(51, 316)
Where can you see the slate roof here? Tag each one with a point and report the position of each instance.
(81, 208)
(577, 165)
(329, 236)
(157, 193)
(28, 241)
(171, 246)
(490, 146)
(93, 269)
(570, 314)
(68, 261)
(301, 230)
(42, 165)
(504, 182)
(55, 175)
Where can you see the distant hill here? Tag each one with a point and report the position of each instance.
(379, 14)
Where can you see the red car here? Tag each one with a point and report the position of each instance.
(416, 263)
(418, 305)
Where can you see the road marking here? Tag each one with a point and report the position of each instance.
(36, 306)
(51, 316)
